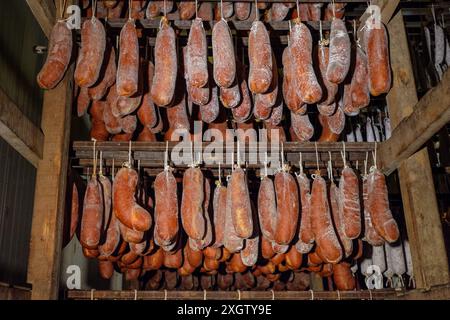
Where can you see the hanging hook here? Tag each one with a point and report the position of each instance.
(386, 110)
(282, 156)
(129, 155)
(321, 31)
(94, 9)
(166, 155)
(112, 170)
(289, 34)
(265, 163)
(365, 164)
(199, 160)
(196, 9)
(232, 160)
(433, 13)
(220, 176)
(264, 174)
(355, 33)
(256, 11)
(343, 154)
(322, 42)
(317, 157)
(100, 173)
(192, 154)
(130, 8)
(94, 158)
(374, 154)
(301, 163)
(238, 155)
(221, 10)
(333, 7)
(330, 167)
(298, 11)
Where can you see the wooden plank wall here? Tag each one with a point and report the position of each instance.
(416, 181)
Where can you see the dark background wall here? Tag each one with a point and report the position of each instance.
(19, 33)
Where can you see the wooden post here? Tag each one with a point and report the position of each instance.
(46, 232)
(416, 181)
(44, 11)
(429, 115)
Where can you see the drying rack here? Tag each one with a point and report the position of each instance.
(150, 155)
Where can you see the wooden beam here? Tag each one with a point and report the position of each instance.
(230, 295)
(387, 9)
(19, 131)
(416, 180)
(45, 12)
(8, 292)
(434, 293)
(430, 114)
(49, 200)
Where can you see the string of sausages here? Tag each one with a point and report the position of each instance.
(136, 98)
(294, 225)
(225, 234)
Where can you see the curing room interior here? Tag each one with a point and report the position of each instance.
(224, 150)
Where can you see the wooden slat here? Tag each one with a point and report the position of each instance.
(231, 295)
(306, 147)
(422, 218)
(46, 232)
(430, 115)
(19, 131)
(234, 24)
(44, 11)
(8, 292)
(434, 293)
(151, 154)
